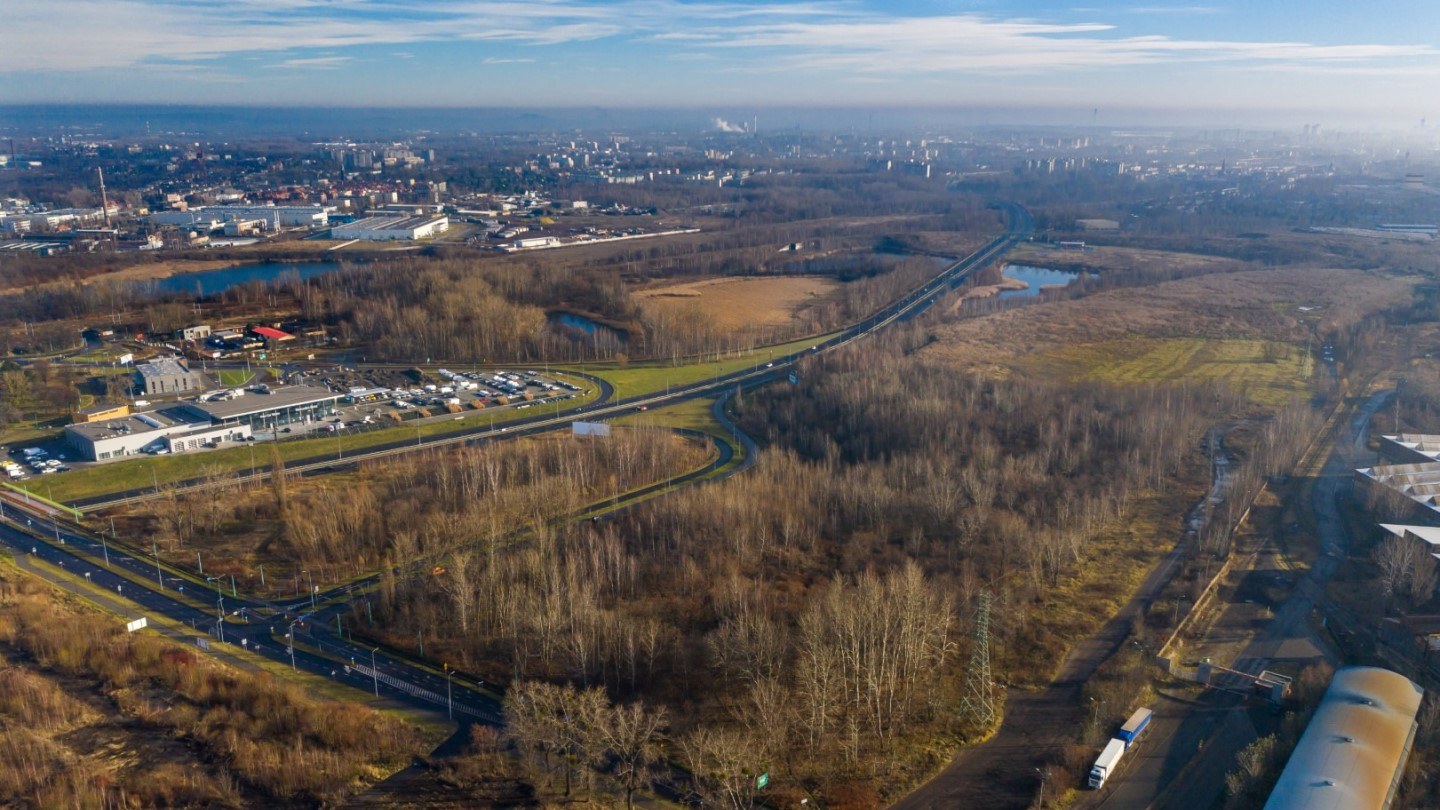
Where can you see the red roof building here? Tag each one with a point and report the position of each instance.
(271, 334)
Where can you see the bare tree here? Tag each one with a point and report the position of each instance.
(631, 735)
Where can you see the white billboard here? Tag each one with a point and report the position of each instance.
(131, 627)
(590, 428)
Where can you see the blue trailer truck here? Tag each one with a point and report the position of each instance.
(1134, 727)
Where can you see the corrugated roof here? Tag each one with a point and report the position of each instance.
(1356, 745)
(273, 334)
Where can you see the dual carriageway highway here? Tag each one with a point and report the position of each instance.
(300, 631)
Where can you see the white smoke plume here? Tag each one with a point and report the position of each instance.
(725, 126)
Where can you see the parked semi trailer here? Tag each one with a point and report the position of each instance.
(1106, 764)
(1133, 727)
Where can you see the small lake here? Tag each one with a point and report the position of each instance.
(210, 282)
(1036, 277)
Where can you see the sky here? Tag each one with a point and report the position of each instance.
(1323, 59)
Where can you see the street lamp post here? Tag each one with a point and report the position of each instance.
(374, 673)
(311, 584)
(449, 699)
(155, 552)
(290, 637)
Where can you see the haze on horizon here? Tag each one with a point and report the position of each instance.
(1368, 64)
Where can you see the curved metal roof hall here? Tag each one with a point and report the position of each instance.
(1353, 753)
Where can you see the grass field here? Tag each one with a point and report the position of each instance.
(737, 303)
(1271, 373)
(234, 378)
(650, 378)
(692, 414)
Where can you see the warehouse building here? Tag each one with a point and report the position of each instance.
(1418, 482)
(168, 375)
(1352, 755)
(274, 216)
(1411, 448)
(391, 228)
(148, 432)
(271, 217)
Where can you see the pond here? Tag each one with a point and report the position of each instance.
(582, 324)
(211, 282)
(1035, 277)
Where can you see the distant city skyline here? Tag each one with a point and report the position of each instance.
(1353, 63)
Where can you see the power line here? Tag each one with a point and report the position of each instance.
(979, 701)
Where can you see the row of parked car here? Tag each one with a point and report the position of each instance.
(37, 460)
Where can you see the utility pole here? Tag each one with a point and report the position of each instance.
(979, 701)
(105, 206)
(155, 552)
(374, 673)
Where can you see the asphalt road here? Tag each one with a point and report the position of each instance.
(1192, 745)
(259, 634)
(268, 628)
(905, 309)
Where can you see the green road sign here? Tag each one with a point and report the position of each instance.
(762, 780)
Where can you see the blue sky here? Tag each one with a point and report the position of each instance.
(1352, 60)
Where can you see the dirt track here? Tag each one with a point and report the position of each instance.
(1003, 772)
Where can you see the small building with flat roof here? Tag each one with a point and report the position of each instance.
(168, 375)
(100, 413)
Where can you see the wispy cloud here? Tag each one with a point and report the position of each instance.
(974, 44)
(315, 62)
(74, 36)
(1181, 10)
(495, 60)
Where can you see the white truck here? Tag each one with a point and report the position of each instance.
(1106, 764)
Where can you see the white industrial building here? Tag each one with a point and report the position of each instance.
(391, 228)
(212, 420)
(274, 217)
(307, 216)
(129, 435)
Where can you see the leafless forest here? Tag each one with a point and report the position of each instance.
(394, 511)
(811, 615)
